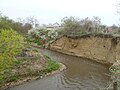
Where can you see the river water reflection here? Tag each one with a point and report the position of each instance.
(81, 74)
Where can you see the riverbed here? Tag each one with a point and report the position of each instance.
(81, 74)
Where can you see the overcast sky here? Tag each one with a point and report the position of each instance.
(50, 11)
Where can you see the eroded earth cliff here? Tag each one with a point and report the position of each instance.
(101, 48)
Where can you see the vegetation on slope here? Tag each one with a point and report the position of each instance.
(18, 61)
(28, 66)
(11, 44)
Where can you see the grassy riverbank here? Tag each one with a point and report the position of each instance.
(32, 66)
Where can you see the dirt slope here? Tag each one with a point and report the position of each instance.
(101, 48)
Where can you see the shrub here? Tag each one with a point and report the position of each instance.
(11, 44)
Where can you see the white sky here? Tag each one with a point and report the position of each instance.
(50, 11)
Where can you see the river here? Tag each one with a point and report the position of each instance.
(81, 74)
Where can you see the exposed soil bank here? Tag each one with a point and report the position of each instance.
(100, 48)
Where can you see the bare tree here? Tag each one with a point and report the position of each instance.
(32, 21)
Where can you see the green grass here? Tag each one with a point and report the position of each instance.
(52, 66)
(82, 33)
(13, 78)
(33, 40)
(17, 62)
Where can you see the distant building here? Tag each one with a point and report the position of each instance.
(53, 26)
(56, 25)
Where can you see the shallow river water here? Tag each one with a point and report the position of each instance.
(81, 74)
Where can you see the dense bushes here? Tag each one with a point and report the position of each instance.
(41, 36)
(11, 44)
(75, 26)
(20, 27)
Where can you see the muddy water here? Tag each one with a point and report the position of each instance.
(81, 74)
